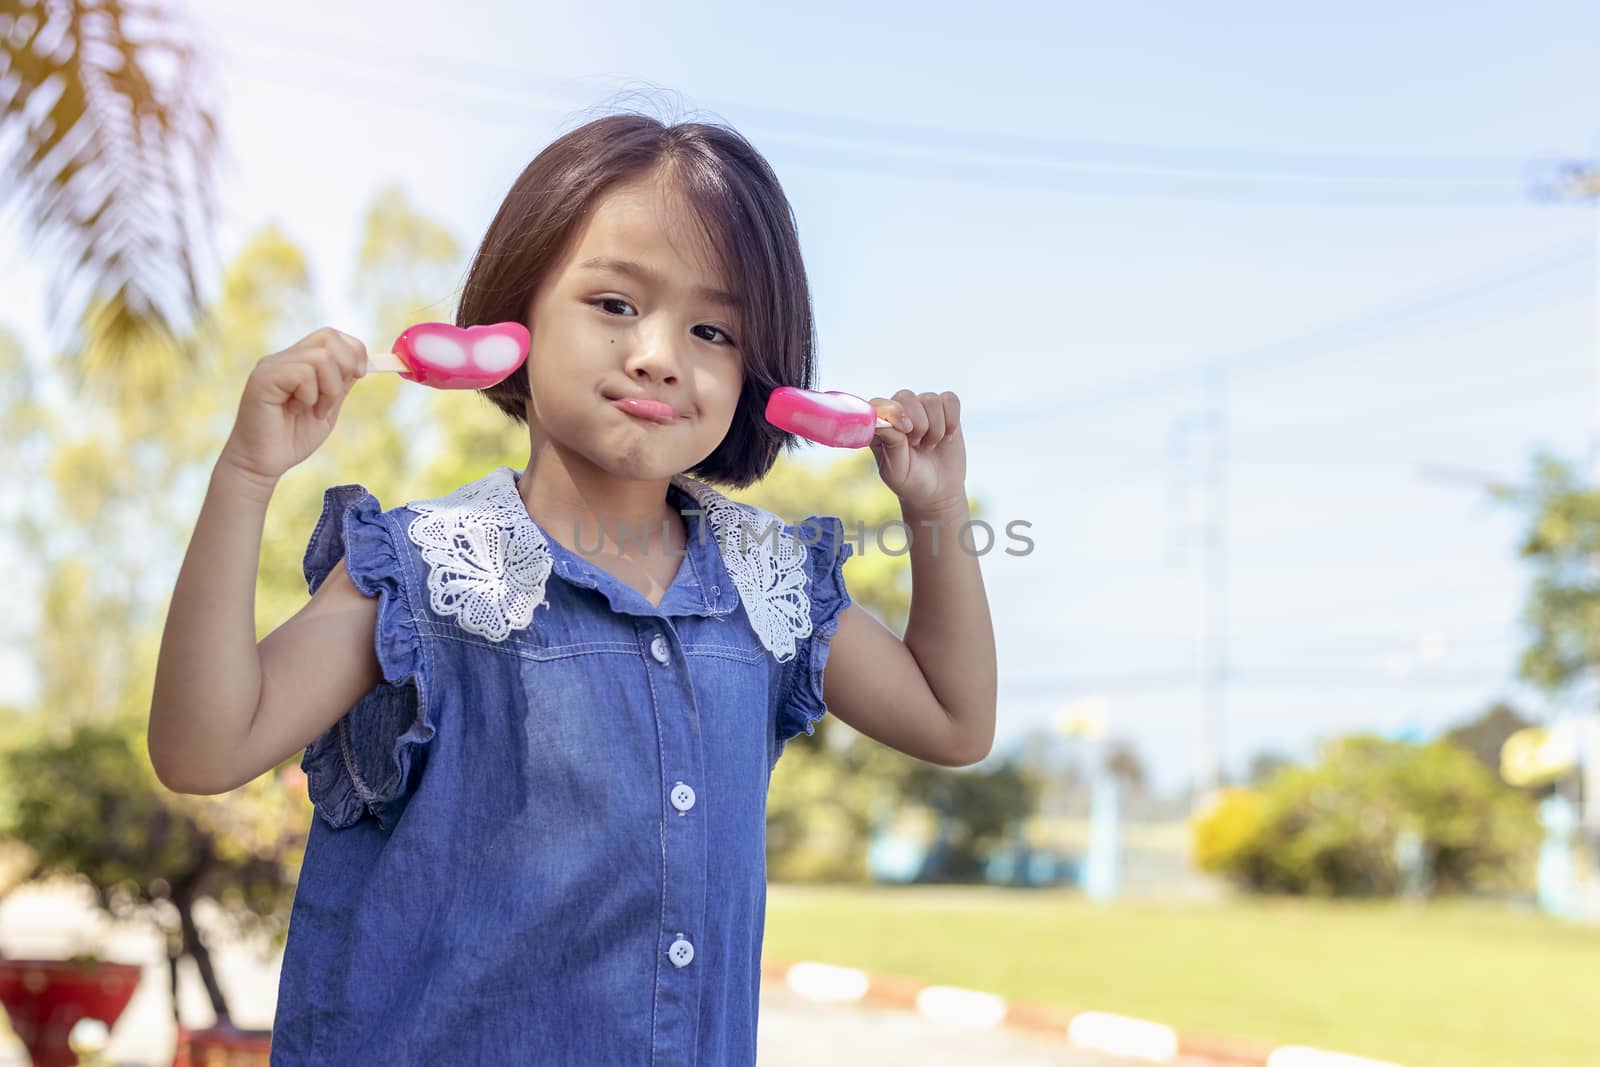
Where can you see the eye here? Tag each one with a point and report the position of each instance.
(603, 301)
(717, 329)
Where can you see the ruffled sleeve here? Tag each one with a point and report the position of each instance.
(826, 551)
(371, 759)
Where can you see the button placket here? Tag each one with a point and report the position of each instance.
(685, 889)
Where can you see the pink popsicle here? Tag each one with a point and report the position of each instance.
(840, 420)
(449, 357)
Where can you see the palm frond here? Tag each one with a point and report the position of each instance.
(109, 146)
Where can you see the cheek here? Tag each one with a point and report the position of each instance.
(732, 382)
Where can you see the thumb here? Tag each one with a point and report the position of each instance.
(892, 449)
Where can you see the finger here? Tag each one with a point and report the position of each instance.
(333, 412)
(310, 340)
(327, 342)
(352, 353)
(890, 440)
(299, 383)
(893, 412)
(892, 453)
(919, 417)
(330, 382)
(889, 436)
(952, 412)
(933, 404)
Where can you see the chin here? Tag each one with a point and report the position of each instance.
(642, 462)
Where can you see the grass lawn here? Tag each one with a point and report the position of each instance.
(1425, 985)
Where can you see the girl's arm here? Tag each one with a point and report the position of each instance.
(933, 694)
(225, 710)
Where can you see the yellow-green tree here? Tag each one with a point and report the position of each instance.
(128, 459)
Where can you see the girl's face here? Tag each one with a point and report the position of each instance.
(634, 364)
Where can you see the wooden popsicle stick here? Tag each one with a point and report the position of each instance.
(385, 361)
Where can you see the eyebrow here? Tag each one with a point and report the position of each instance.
(646, 275)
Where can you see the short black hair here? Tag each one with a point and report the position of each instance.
(746, 218)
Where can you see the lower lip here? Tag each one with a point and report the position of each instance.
(648, 410)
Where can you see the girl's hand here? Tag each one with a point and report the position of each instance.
(924, 463)
(291, 401)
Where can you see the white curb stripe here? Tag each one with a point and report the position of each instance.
(1100, 1031)
(1121, 1036)
(965, 1007)
(1300, 1056)
(826, 983)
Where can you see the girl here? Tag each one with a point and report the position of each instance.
(538, 749)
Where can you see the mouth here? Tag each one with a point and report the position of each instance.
(656, 411)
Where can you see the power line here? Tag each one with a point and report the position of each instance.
(897, 146)
(1318, 341)
(1119, 161)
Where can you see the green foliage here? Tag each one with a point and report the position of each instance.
(1263, 765)
(820, 805)
(1485, 736)
(827, 786)
(110, 142)
(1227, 831)
(1331, 830)
(831, 790)
(1563, 607)
(85, 803)
(129, 459)
(981, 809)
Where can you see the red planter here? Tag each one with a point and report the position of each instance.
(46, 997)
(223, 1046)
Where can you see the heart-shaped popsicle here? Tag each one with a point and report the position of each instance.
(840, 420)
(449, 357)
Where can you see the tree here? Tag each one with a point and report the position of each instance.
(1264, 765)
(1122, 760)
(1334, 829)
(980, 809)
(104, 534)
(829, 787)
(86, 806)
(831, 791)
(1563, 607)
(113, 147)
(1485, 735)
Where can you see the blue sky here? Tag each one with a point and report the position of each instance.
(1037, 205)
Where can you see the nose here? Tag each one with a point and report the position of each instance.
(656, 358)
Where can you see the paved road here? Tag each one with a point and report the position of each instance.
(794, 1032)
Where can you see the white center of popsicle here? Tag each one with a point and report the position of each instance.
(437, 351)
(496, 352)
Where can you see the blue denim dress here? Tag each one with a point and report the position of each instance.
(541, 839)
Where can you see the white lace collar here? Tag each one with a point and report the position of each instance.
(488, 561)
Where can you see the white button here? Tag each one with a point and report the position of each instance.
(680, 953)
(682, 797)
(658, 649)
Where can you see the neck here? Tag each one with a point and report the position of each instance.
(581, 505)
